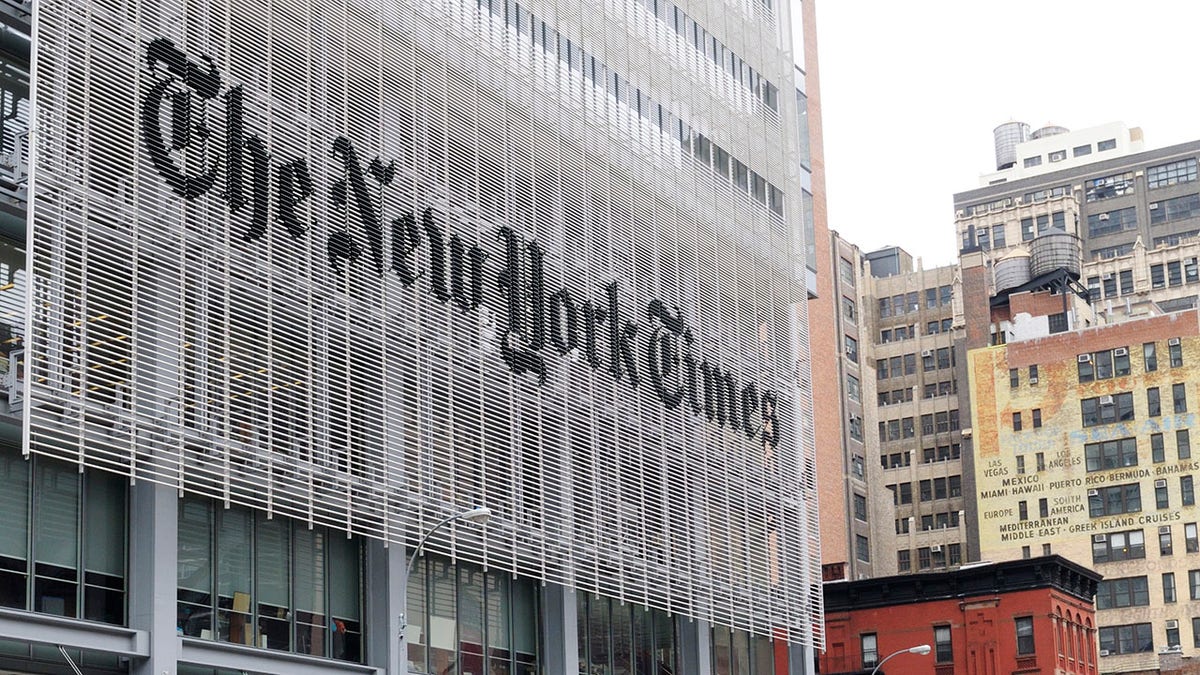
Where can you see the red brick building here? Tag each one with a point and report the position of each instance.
(1022, 616)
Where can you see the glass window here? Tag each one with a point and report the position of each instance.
(1081, 150)
(1033, 161)
(1127, 639)
(870, 648)
(1175, 351)
(1108, 144)
(1025, 644)
(1109, 222)
(1183, 171)
(943, 650)
(1128, 545)
(862, 548)
(279, 584)
(1153, 403)
(1179, 396)
(1149, 357)
(1125, 592)
(1187, 491)
(1165, 545)
(1175, 208)
(1183, 443)
(1157, 452)
(76, 524)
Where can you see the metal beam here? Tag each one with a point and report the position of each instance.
(71, 633)
(241, 658)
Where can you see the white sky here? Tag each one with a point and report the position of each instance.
(912, 90)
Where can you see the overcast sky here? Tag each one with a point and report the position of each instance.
(912, 90)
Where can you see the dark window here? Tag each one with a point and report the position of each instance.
(1149, 357)
(1168, 585)
(1022, 510)
(1108, 144)
(1190, 541)
(862, 548)
(1175, 350)
(1033, 374)
(1016, 421)
(1025, 644)
(1081, 150)
(1043, 508)
(1026, 229)
(1037, 418)
(1187, 492)
(1125, 592)
(1128, 639)
(1157, 452)
(1179, 396)
(1161, 499)
(1109, 501)
(943, 650)
(1107, 409)
(904, 560)
(1058, 322)
(1165, 546)
(1014, 377)
(1033, 161)
(1153, 403)
(1109, 222)
(851, 349)
(1175, 208)
(1183, 443)
(860, 507)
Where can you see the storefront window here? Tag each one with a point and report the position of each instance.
(78, 568)
(737, 652)
(478, 622)
(259, 564)
(624, 638)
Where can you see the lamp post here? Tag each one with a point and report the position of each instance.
(919, 649)
(479, 515)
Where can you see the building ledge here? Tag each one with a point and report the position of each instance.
(73, 633)
(241, 658)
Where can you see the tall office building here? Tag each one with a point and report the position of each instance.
(1079, 288)
(293, 289)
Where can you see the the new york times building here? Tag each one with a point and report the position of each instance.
(290, 283)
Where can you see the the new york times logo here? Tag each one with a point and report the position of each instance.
(187, 96)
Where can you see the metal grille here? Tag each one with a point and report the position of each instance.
(370, 264)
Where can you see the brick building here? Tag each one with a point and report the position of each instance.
(1029, 616)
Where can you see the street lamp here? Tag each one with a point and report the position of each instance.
(919, 649)
(479, 515)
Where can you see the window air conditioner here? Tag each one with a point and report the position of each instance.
(1099, 537)
(1153, 206)
(1161, 482)
(1121, 351)
(1093, 493)
(1033, 379)
(927, 353)
(1164, 529)
(1106, 400)
(1084, 358)
(1104, 216)
(1172, 624)
(936, 548)
(1103, 652)
(1173, 342)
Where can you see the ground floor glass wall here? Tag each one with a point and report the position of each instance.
(62, 539)
(273, 583)
(471, 621)
(624, 639)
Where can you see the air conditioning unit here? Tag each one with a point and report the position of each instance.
(1164, 529)
(1153, 206)
(1161, 482)
(936, 548)
(1173, 342)
(1172, 624)
(1108, 277)
(1033, 379)
(1121, 351)
(927, 353)
(1103, 652)
(1104, 216)
(1084, 358)
(966, 432)
(1107, 399)
(1093, 493)
(1099, 537)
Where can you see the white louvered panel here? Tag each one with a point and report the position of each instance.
(172, 341)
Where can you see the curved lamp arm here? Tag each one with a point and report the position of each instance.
(919, 649)
(479, 515)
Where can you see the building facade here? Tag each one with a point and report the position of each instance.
(291, 285)
(1024, 616)
(1061, 266)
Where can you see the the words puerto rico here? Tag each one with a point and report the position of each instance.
(418, 246)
